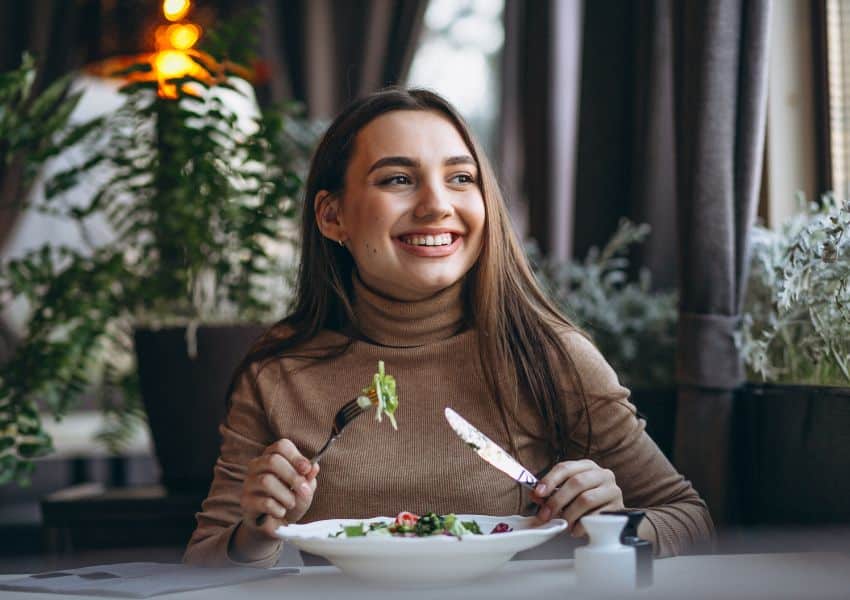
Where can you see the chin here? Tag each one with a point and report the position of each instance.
(433, 285)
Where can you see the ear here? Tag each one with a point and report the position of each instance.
(326, 207)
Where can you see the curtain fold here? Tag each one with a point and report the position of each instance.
(616, 120)
(626, 148)
(720, 85)
(540, 106)
(652, 191)
(325, 53)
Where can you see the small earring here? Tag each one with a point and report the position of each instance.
(341, 243)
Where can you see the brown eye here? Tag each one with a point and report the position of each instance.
(396, 180)
(462, 178)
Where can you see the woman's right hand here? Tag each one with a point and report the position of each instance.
(280, 484)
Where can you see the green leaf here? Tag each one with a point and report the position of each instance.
(46, 101)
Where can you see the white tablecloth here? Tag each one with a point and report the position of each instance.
(809, 575)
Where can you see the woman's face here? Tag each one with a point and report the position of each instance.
(412, 213)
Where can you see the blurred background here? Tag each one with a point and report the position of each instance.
(677, 170)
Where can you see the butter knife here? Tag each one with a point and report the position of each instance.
(489, 450)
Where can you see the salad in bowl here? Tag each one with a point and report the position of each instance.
(407, 524)
(407, 550)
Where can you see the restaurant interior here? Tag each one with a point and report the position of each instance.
(677, 172)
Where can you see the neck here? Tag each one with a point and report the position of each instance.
(399, 323)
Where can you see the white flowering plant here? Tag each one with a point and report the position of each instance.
(796, 317)
(633, 324)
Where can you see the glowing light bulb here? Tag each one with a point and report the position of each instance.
(172, 63)
(174, 10)
(183, 37)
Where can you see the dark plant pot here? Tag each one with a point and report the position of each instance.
(185, 398)
(792, 454)
(658, 406)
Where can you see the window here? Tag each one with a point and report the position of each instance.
(838, 77)
(459, 57)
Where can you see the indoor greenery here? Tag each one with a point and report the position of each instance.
(32, 125)
(633, 325)
(195, 199)
(796, 323)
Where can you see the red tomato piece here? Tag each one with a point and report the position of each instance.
(406, 518)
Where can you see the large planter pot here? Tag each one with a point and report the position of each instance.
(185, 397)
(792, 454)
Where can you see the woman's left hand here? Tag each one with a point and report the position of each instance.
(575, 488)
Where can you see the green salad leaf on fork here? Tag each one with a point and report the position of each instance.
(381, 393)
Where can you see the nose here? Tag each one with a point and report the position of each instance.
(433, 203)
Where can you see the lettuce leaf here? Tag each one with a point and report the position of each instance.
(383, 389)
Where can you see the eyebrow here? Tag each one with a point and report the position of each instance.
(406, 161)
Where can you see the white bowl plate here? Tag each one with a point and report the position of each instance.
(435, 561)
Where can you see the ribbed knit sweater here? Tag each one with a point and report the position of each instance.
(373, 469)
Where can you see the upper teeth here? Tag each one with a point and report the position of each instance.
(442, 239)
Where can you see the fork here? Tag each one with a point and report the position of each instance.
(345, 415)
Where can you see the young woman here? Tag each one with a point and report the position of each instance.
(409, 257)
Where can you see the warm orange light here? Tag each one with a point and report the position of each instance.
(177, 37)
(172, 63)
(174, 58)
(174, 10)
(183, 37)
(161, 38)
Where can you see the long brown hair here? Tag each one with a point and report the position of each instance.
(517, 325)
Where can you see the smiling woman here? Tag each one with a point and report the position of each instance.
(409, 257)
(411, 193)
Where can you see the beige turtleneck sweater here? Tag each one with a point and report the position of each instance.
(374, 470)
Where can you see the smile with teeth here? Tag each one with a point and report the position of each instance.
(441, 239)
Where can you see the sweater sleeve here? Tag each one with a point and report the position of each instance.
(245, 433)
(678, 515)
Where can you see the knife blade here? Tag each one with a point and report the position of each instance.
(488, 450)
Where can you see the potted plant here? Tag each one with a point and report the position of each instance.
(32, 129)
(795, 341)
(633, 325)
(198, 200)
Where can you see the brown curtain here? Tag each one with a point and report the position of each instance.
(670, 132)
(625, 161)
(325, 53)
(653, 182)
(612, 118)
(540, 84)
(720, 84)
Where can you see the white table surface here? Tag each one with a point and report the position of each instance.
(802, 575)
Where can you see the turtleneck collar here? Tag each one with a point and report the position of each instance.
(399, 324)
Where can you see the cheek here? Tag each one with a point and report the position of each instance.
(476, 217)
(372, 218)
(372, 234)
